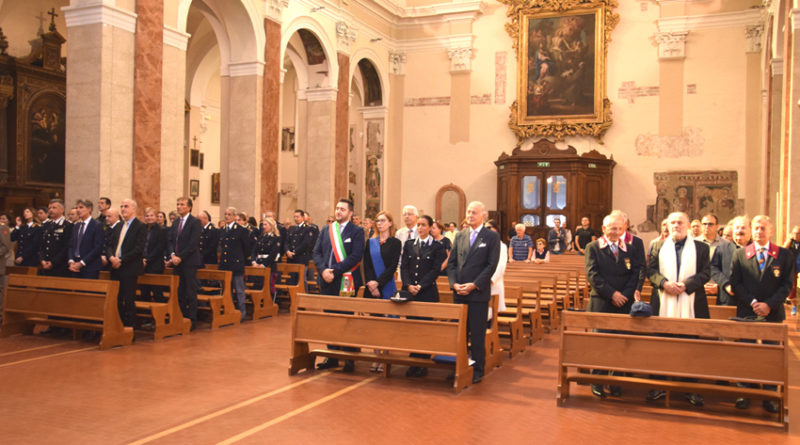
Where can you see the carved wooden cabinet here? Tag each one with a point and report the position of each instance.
(538, 185)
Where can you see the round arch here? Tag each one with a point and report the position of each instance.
(372, 57)
(297, 62)
(318, 30)
(244, 43)
(462, 199)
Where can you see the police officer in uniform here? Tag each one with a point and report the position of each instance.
(299, 241)
(29, 238)
(419, 268)
(209, 238)
(55, 242)
(234, 249)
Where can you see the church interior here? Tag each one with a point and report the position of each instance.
(540, 109)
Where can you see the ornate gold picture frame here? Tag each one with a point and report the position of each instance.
(561, 48)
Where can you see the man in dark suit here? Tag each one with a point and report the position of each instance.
(472, 262)
(761, 278)
(125, 258)
(635, 249)
(679, 268)
(86, 243)
(235, 247)
(55, 242)
(103, 204)
(613, 274)
(209, 238)
(338, 270)
(184, 247)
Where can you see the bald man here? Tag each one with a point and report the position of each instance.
(125, 258)
(475, 254)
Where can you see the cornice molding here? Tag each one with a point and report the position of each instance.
(748, 17)
(241, 69)
(373, 112)
(100, 14)
(321, 94)
(175, 38)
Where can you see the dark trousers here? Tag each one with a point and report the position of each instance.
(126, 297)
(477, 322)
(187, 291)
(56, 271)
(86, 274)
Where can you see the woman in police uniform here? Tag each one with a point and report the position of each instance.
(29, 238)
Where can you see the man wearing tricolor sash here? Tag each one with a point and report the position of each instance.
(337, 254)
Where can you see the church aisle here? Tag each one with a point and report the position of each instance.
(232, 386)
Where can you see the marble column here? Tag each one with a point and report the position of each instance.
(788, 208)
(320, 146)
(342, 125)
(394, 133)
(173, 181)
(147, 103)
(100, 84)
(270, 131)
(241, 137)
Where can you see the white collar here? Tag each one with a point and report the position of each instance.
(759, 247)
(29, 224)
(475, 230)
(59, 221)
(231, 225)
(86, 221)
(425, 241)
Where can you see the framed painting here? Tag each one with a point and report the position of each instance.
(561, 50)
(194, 188)
(215, 188)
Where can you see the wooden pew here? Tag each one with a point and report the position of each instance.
(721, 312)
(284, 278)
(311, 280)
(22, 270)
(220, 305)
(78, 303)
(167, 316)
(493, 349)
(534, 308)
(260, 300)
(510, 323)
(710, 356)
(445, 335)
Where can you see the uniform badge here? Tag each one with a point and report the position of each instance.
(628, 263)
(59, 230)
(776, 270)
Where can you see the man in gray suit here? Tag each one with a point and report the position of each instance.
(473, 260)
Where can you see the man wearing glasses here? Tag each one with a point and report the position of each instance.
(721, 252)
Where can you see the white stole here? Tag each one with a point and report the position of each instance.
(677, 306)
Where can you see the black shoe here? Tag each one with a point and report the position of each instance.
(614, 391)
(694, 399)
(349, 366)
(451, 376)
(328, 363)
(770, 406)
(476, 378)
(422, 372)
(742, 403)
(597, 391)
(655, 394)
(411, 371)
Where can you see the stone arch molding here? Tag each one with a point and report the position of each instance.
(315, 27)
(372, 56)
(240, 33)
(462, 200)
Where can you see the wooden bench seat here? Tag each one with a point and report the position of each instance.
(364, 323)
(510, 323)
(66, 302)
(284, 280)
(695, 348)
(167, 317)
(220, 305)
(22, 270)
(259, 300)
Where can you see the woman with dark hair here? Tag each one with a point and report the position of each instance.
(421, 265)
(438, 233)
(155, 251)
(267, 251)
(381, 255)
(29, 238)
(161, 219)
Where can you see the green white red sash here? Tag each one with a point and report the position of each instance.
(347, 288)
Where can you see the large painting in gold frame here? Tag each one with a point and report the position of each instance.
(561, 50)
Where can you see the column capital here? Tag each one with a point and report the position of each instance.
(321, 94)
(373, 112)
(100, 14)
(460, 59)
(274, 9)
(345, 35)
(175, 38)
(397, 63)
(777, 66)
(671, 45)
(753, 34)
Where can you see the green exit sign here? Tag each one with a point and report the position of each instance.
(592, 165)
(543, 164)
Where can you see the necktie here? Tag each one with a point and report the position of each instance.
(761, 259)
(180, 228)
(614, 250)
(121, 237)
(80, 237)
(472, 237)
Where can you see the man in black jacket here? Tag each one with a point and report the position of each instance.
(235, 247)
(184, 248)
(55, 242)
(125, 258)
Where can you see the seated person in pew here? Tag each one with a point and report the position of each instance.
(679, 268)
(381, 256)
(422, 261)
(234, 250)
(613, 277)
(761, 278)
(267, 252)
(541, 254)
(155, 250)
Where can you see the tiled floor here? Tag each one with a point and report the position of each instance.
(232, 386)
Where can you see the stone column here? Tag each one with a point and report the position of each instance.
(173, 110)
(775, 135)
(789, 209)
(100, 84)
(394, 141)
(671, 53)
(344, 37)
(148, 56)
(460, 68)
(754, 148)
(320, 147)
(241, 137)
(270, 127)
